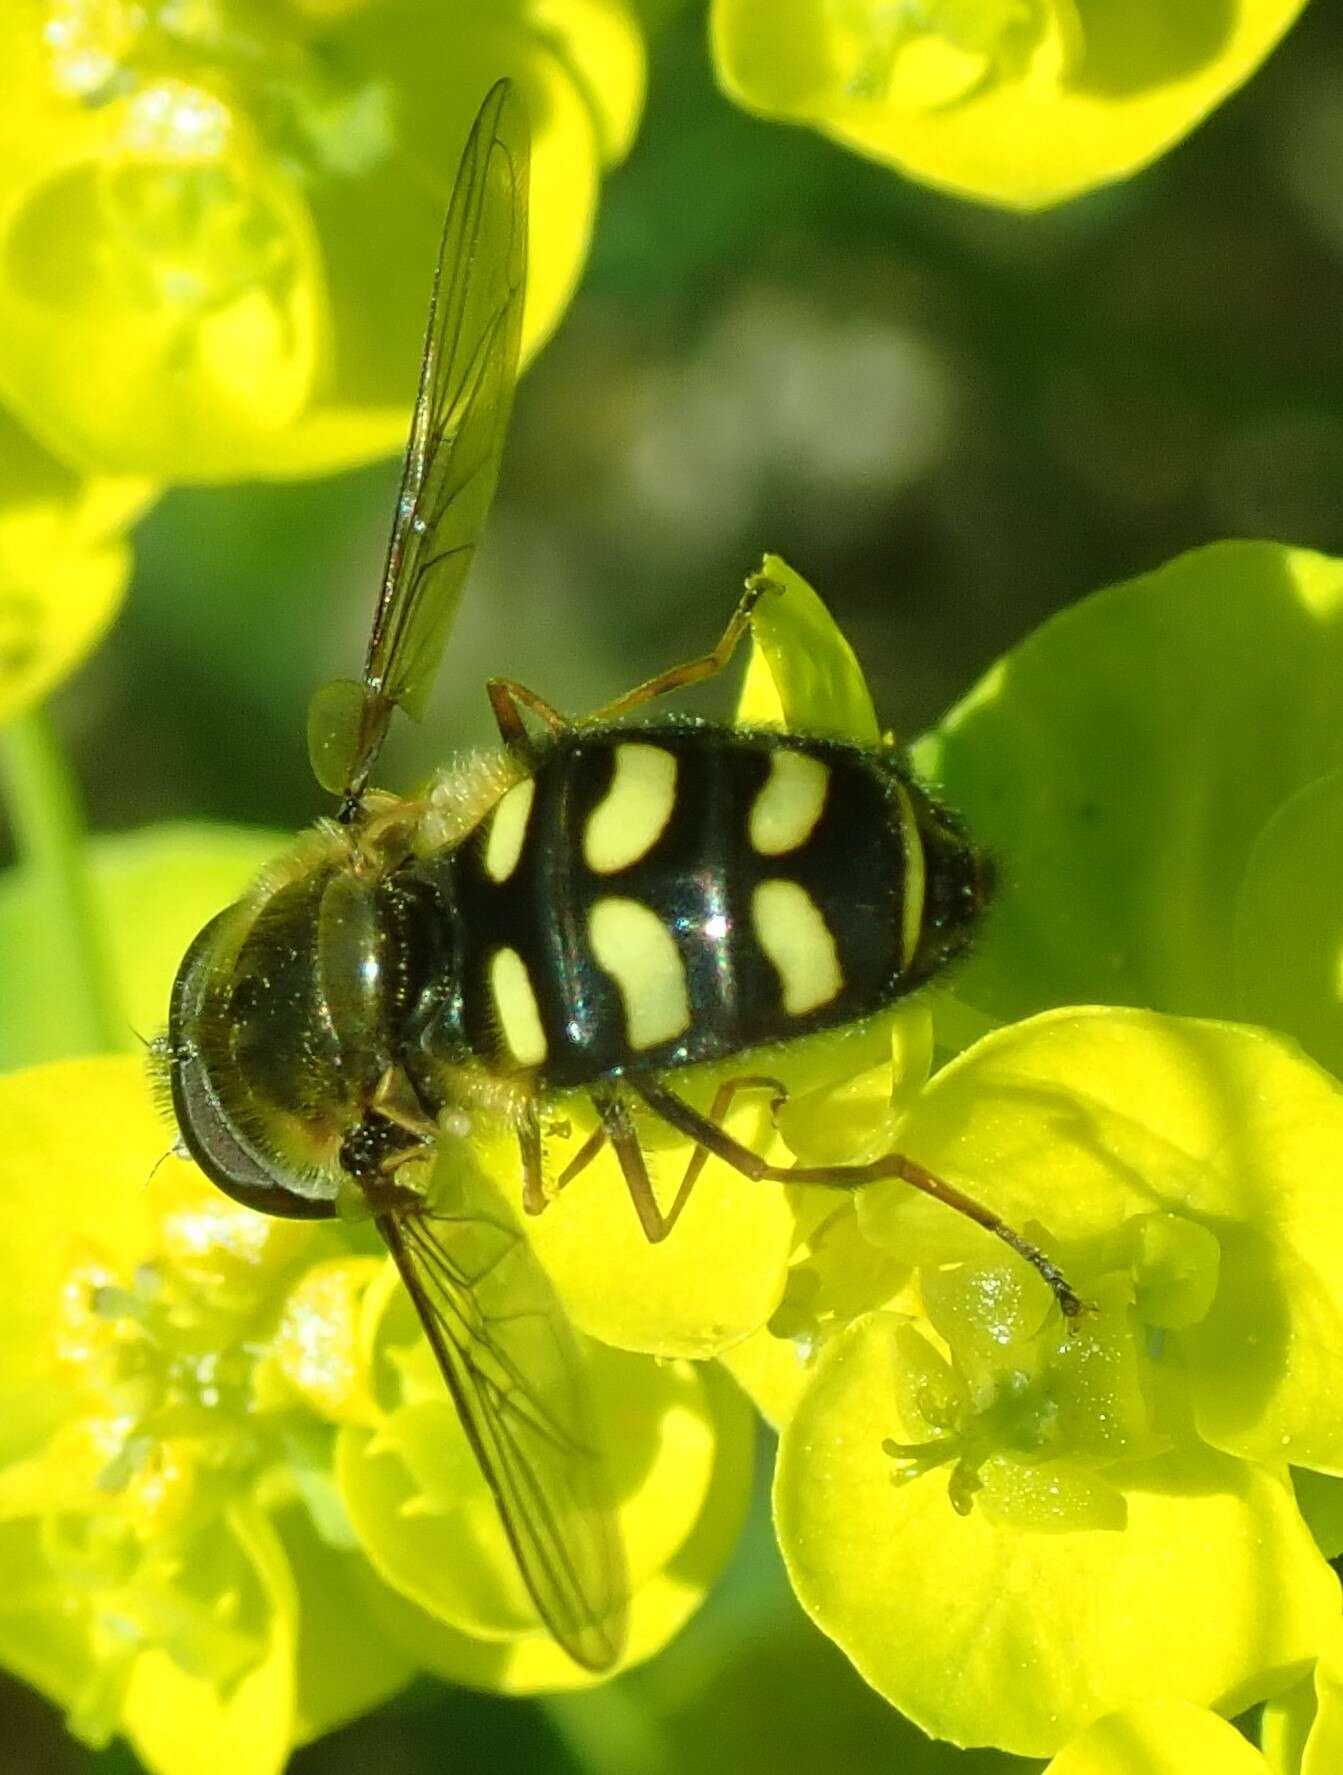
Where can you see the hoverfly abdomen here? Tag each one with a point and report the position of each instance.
(662, 895)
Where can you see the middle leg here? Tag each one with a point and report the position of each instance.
(680, 1115)
(616, 1127)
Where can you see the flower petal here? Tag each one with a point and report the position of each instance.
(1086, 1120)
(1046, 1632)
(344, 1669)
(187, 289)
(717, 1278)
(486, 1639)
(803, 673)
(1161, 1738)
(64, 564)
(184, 1724)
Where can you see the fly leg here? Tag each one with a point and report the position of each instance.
(694, 671)
(624, 1140)
(529, 1145)
(688, 1121)
(508, 699)
(534, 1197)
(582, 1158)
(597, 1140)
(717, 1114)
(617, 1127)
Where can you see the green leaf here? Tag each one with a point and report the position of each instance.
(1122, 763)
(803, 673)
(1289, 922)
(153, 891)
(758, 1692)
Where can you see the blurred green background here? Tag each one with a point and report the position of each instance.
(953, 421)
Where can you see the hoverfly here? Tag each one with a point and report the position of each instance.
(594, 906)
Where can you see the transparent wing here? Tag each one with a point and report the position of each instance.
(517, 1378)
(456, 441)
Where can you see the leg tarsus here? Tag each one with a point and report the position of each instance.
(694, 671)
(911, 1172)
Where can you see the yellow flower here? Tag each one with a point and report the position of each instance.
(218, 221)
(1018, 102)
(64, 564)
(202, 1479)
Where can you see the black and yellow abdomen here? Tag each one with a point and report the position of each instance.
(657, 896)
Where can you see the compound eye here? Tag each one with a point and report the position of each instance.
(212, 1135)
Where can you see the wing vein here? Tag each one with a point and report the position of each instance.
(519, 1383)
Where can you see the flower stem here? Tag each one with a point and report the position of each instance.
(607, 1732)
(48, 824)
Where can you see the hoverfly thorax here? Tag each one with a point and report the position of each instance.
(288, 1017)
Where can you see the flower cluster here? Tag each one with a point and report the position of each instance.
(1137, 1508)
(233, 1486)
(236, 1504)
(203, 206)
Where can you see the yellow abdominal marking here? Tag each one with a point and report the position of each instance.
(516, 1008)
(785, 812)
(508, 832)
(911, 915)
(793, 934)
(637, 950)
(633, 814)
